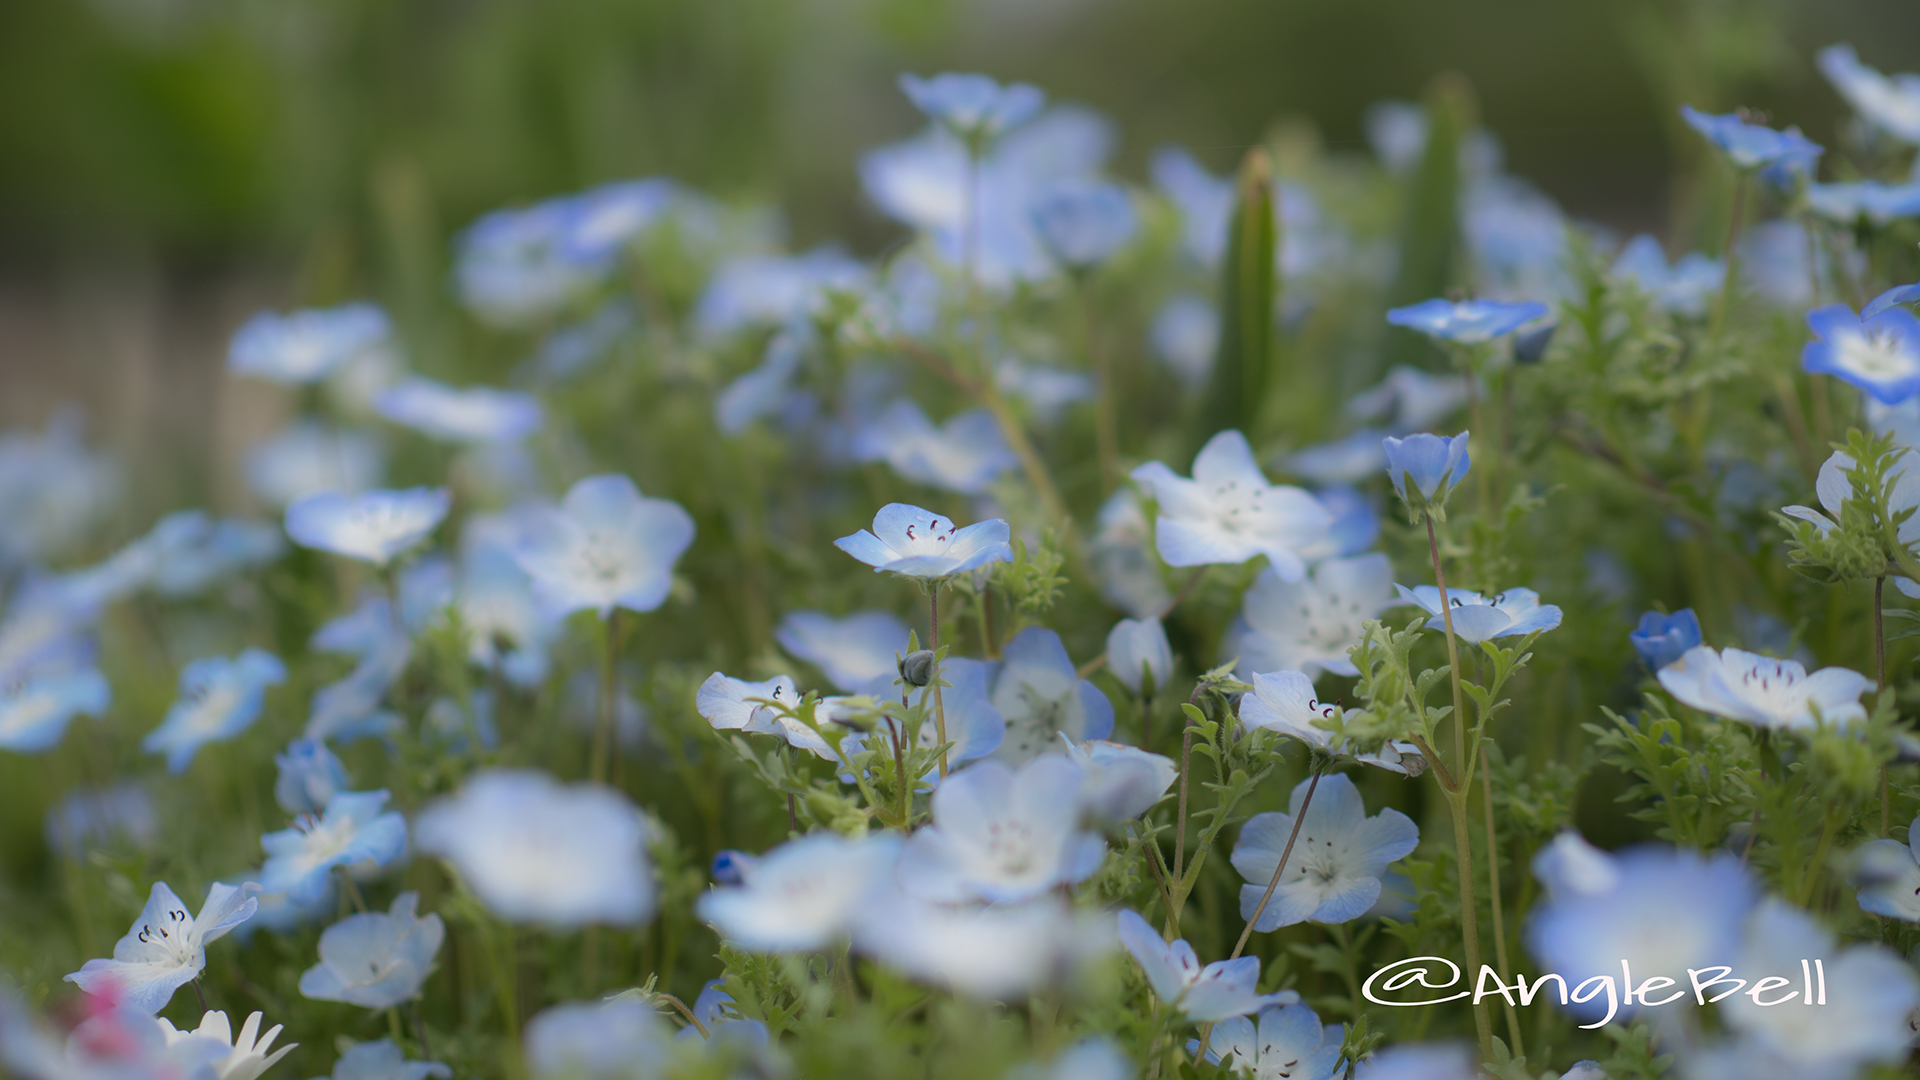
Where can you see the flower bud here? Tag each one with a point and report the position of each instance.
(1425, 468)
(1138, 653)
(916, 668)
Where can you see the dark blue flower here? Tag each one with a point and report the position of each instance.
(1662, 639)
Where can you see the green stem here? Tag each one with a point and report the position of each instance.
(939, 706)
(1880, 687)
(1493, 893)
(1732, 255)
(603, 719)
(1281, 866)
(1106, 429)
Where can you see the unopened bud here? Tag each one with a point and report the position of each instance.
(917, 667)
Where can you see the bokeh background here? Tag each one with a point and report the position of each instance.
(169, 166)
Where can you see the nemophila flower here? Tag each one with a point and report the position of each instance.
(1887, 873)
(372, 526)
(1891, 104)
(219, 699)
(731, 704)
(53, 490)
(110, 1044)
(1880, 355)
(1864, 202)
(731, 867)
(514, 268)
(974, 724)
(1201, 994)
(507, 630)
(1424, 1061)
(765, 390)
(1685, 288)
(1138, 653)
(1347, 460)
(1285, 1040)
(1228, 513)
(966, 454)
(1002, 836)
(974, 107)
(1748, 146)
(94, 817)
(382, 1060)
(1286, 702)
(1097, 1057)
(535, 850)
(615, 1039)
(803, 895)
(604, 546)
(772, 290)
(1409, 399)
(247, 1053)
(1119, 782)
(1435, 464)
(1662, 639)
(1205, 202)
(355, 832)
(1897, 296)
(1834, 490)
(191, 550)
(1185, 335)
(1660, 910)
(1084, 223)
(35, 711)
(1041, 694)
(853, 651)
(715, 1010)
(916, 543)
(376, 959)
(1310, 624)
(310, 776)
(350, 708)
(166, 948)
(470, 414)
(603, 220)
(1356, 524)
(575, 347)
(999, 951)
(1478, 618)
(1333, 874)
(1045, 390)
(310, 457)
(1470, 322)
(307, 345)
(279, 914)
(1765, 692)
(1124, 565)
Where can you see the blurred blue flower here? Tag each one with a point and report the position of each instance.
(310, 776)
(1228, 513)
(1396, 133)
(47, 630)
(1890, 104)
(1749, 146)
(1347, 460)
(619, 1038)
(974, 107)
(355, 832)
(1046, 390)
(753, 290)
(166, 948)
(852, 651)
(190, 550)
(1887, 875)
(1215, 992)
(1865, 202)
(802, 895)
(715, 1010)
(601, 221)
(304, 346)
(1119, 782)
(1469, 322)
(1310, 624)
(35, 710)
(1427, 1061)
(916, 543)
(1286, 1039)
(458, 727)
(1002, 836)
(1763, 691)
(1334, 872)
(219, 699)
(974, 724)
(1899, 295)
(966, 454)
(1185, 334)
(472, 414)
(1137, 650)
(1204, 200)
(1435, 463)
(603, 547)
(996, 951)
(1880, 355)
(507, 629)
(1084, 223)
(53, 491)
(572, 349)
(308, 458)
(1356, 525)
(1478, 618)
(535, 850)
(1662, 639)
(94, 817)
(372, 526)
(731, 867)
(382, 1060)
(764, 390)
(376, 959)
(515, 268)
(1286, 703)
(1683, 289)
(1041, 695)
(1517, 237)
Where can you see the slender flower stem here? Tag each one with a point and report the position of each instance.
(199, 993)
(1280, 867)
(681, 1006)
(420, 1030)
(939, 707)
(1186, 590)
(1880, 686)
(1493, 893)
(352, 890)
(985, 599)
(1732, 255)
(603, 719)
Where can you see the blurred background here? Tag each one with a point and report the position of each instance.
(169, 166)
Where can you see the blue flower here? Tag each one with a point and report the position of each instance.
(974, 107)
(966, 454)
(1435, 463)
(916, 543)
(1334, 872)
(514, 267)
(53, 491)
(974, 724)
(1880, 355)
(803, 895)
(1763, 691)
(752, 290)
(308, 458)
(507, 629)
(1890, 104)
(764, 390)
(355, 832)
(376, 959)
(574, 348)
(382, 1060)
(1518, 239)
(90, 818)
(1084, 223)
(1683, 289)
(852, 651)
(473, 414)
(999, 951)
(1897, 296)
(219, 699)
(166, 948)
(310, 776)
(1865, 202)
(372, 526)
(1478, 618)
(1662, 639)
(1119, 782)
(1288, 1040)
(603, 547)
(308, 345)
(1471, 322)
(618, 1038)
(1429, 1061)
(715, 1010)
(1749, 146)
(1002, 836)
(603, 220)
(1356, 525)
(1045, 389)
(1185, 334)
(1041, 695)
(731, 867)
(1348, 460)
(1205, 202)
(535, 850)
(35, 711)
(1229, 513)
(190, 550)
(1137, 650)
(1217, 991)
(1285, 702)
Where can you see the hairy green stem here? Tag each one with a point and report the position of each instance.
(1281, 866)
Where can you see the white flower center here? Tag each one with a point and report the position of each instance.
(1010, 846)
(1880, 355)
(172, 932)
(1236, 506)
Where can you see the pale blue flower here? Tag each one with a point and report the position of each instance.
(376, 959)
(470, 414)
(715, 1010)
(1759, 690)
(603, 220)
(310, 776)
(615, 1039)
(53, 491)
(46, 631)
(356, 832)
(1137, 650)
(1186, 334)
(308, 458)
(1749, 146)
(1124, 565)
(1215, 992)
(1518, 239)
(731, 867)
(1286, 703)
(219, 699)
(1285, 1040)
(1435, 463)
(507, 629)
(513, 268)
(974, 724)
(372, 526)
(350, 709)
(1041, 695)
(1396, 133)
(1347, 460)
(305, 346)
(916, 543)
(1424, 1061)
(382, 1060)
(1356, 524)
(966, 454)
(279, 914)
(1083, 224)
(1478, 618)
(755, 290)
(1891, 104)
(535, 850)
(1662, 639)
(190, 550)
(1333, 874)
(1470, 322)
(1205, 202)
(1887, 875)
(574, 348)
(995, 951)
(731, 704)
(1880, 355)
(166, 948)
(852, 651)
(803, 895)
(764, 390)
(603, 547)
(1899, 295)
(35, 711)
(1046, 390)
(1118, 782)
(91, 818)
(974, 107)
(1310, 624)
(1228, 513)
(1865, 202)
(1685, 288)
(1002, 836)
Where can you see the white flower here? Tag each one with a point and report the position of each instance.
(604, 547)
(167, 948)
(372, 526)
(1228, 513)
(1124, 565)
(917, 543)
(1137, 650)
(376, 959)
(1310, 623)
(1119, 782)
(997, 951)
(731, 704)
(802, 895)
(1002, 836)
(1221, 989)
(1479, 618)
(1285, 701)
(1333, 872)
(247, 1055)
(1760, 690)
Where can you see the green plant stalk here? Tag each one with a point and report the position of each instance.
(1280, 867)
(1493, 894)
(1732, 254)
(939, 707)
(1880, 687)
(603, 716)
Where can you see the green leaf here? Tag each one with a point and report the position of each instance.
(1247, 297)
